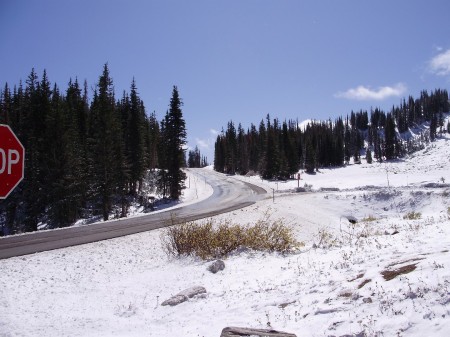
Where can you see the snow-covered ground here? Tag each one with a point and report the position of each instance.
(333, 286)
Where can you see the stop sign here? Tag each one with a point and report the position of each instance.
(12, 158)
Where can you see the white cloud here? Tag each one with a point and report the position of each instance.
(202, 143)
(214, 132)
(362, 93)
(440, 64)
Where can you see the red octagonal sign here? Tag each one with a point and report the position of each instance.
(12, 159)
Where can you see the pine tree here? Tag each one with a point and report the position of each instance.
(242, 151)
(390, 137)
(253, 149)
(433, 127)
(105, 150)
(56, 146)
(135, 131)
(219, 153)
(175, 141)
(34, 123)
(262, 146)
(194, 158)
(310, 156)
(153, 141)
(347, 143)
(163, 158)
(271, 166)
(75, 177)
(204, 161)
(289, 152)
(338, 143)
(5, 106)
(231, 149)
(356, 147)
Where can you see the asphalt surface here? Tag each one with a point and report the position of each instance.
(228, 194)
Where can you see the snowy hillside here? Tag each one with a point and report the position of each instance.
(385, 274)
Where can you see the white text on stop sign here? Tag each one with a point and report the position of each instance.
(8, 159)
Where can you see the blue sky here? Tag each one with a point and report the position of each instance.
(238, 59)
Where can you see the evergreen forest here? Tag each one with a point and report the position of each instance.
(88, 157)
(279, 149)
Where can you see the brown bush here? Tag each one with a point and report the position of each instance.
(210, 240)
(413, 216)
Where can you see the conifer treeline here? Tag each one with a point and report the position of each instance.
(82, 158)
(195, 159)
(277, 150)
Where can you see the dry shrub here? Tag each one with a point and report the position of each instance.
(412, 216)
(270, 236)
(186, 237)
(210, 240)
(369, 218)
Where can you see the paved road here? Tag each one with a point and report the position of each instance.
(228, 194)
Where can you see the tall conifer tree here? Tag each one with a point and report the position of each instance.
(136, 131)
(175, 142)
(105, 146)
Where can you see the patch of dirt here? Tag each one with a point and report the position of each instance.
(363, 283)
(391, 274)
(284, 305)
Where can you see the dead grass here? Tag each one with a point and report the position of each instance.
(412, 216)
(369, 218)
(214, 240)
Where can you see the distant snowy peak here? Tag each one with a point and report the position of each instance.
(305, 123)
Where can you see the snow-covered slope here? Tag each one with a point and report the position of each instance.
(337, 284)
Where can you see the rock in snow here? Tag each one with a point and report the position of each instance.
(216, 266)
(184, 296)
(175, 300)
(235, 332)
(193, 291)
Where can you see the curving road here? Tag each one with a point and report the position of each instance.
(228, 194)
